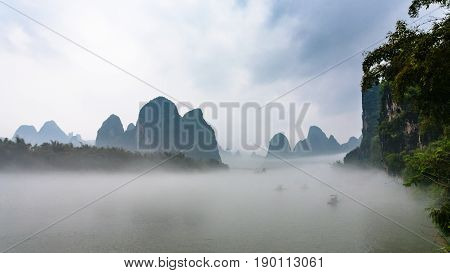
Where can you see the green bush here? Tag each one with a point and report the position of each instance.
(394, 163)
(431, 166)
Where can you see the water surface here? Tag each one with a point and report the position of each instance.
(280, 210)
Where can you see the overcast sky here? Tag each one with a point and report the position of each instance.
(219, 51)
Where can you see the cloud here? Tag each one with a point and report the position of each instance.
(194, 50)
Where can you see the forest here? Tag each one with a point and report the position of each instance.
(18, 155)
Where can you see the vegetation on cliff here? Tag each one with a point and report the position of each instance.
(430, 166)
(412, 70)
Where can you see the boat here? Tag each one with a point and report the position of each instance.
(333, 200)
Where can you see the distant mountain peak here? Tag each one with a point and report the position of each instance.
(160, 128)
(279, 145)
(162, 101)
(50, 123)
(157, 107)
(280, 135)
(315, 131)
(51, 126)
(25, 132)
(317, 143)
(333, 140)
(198, 113)
(131, 127)
(50, 131)
(113, 122)
(114, 117)
(351, 144)
(110, 132)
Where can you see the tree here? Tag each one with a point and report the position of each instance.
(413, 69)
(414, 64)
(418, 4)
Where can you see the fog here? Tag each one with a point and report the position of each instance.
(239, 210)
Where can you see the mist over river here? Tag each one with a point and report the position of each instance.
(239, 210)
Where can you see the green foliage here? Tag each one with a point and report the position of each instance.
(18, 154)
(441, 216)
(413, 70)
(431, 166)
(394, 163)
(414, 63)
(418, 4)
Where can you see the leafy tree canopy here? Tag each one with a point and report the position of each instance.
(418, 4)
(414, 63)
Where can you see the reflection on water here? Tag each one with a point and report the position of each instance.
(279, 210)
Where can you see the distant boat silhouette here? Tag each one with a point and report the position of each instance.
(280, 188)
(333, 200)
(261, 170)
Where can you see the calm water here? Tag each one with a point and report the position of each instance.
(281, 210)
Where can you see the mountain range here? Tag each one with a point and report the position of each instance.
(316, 143)
(160, 128)
(49, 132)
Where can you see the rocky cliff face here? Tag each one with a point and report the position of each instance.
(368, 151)
(371, 106)
(204, 144)
(388, 130)
(398, 126)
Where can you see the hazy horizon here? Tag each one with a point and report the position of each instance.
(230, 51)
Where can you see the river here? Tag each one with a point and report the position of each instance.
(240, 210)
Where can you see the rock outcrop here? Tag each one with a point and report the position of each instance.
(110, 133)
(368, 150)
(160, 128)
(279, 147)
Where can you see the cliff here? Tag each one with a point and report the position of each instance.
(368, 152)
(160, 128)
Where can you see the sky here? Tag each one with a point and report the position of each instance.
(196, 51)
